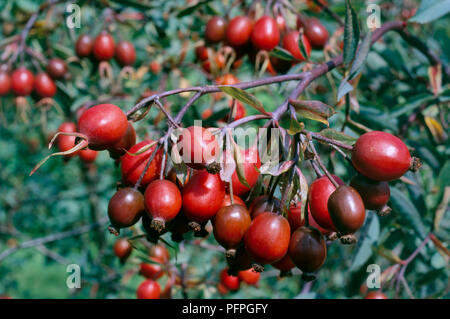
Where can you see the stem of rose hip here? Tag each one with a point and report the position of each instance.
(321, 165)
(147, 165)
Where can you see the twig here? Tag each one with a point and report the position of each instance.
(53, 237)
(329, 12)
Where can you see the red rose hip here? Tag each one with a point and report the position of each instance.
(265, 33)
(162, 202)
(380, 156)
(267, 238)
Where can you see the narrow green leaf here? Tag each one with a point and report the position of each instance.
(240, 171)
(295, 127)
(275, 169)
(302, 46)
(244, 97)
(406, 211)
(361, 56)
(344, 88)
(313, 110)
(191, 9)
(369, 234)
(338, 136)
(282, 54)
(430, 10)
(351, 33)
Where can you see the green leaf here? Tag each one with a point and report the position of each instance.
(406, 211)
(361, 56)
(313, 110)
(295, 127)
(244, 97)
(240, 171)
(302, 46)
(275, 169)
(344, 88)
(338, 136)
(191, 9)
(282, 54)
(370, 235)
(351, 33)
(430, 10)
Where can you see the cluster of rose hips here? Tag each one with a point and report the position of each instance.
(248, 37)
(243, 36)
(104, 48)
(22, 81)
(253, 236)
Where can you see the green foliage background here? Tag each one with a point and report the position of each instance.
(64, 195)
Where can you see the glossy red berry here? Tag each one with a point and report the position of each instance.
(56, 68)
(44, 85)
(307, 249)
(262, 204)
(103, 125)
(319, 192)
(125, 207)
(133, 166)
(346, 209)
(284, 264)
(249, 276)
(230, 224)
(265, 33)
(155, 67)
(291, 44)
(313, 223)
(380, 156)
(152, 271)
(122, 249)
(215, 29)
(295, 216)
(22, 81)
(125, 53)
(88, 156)
(197, 146)
(230, 282)
(239, 30)
(84, 45)
(375, 194)
(316, 32)
(66, 142)
(148, 289)
(162, 202)
(203, 196)
(104, 47)
(5, 83)
(267, 238)
(160, 255)
(125, 143)
(250, 162)
(376, 295)
(237, 200)
(160, 252)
